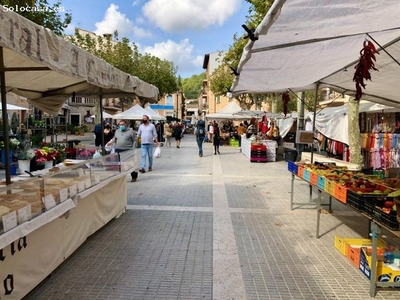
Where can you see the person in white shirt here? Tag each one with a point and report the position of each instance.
(148, 135)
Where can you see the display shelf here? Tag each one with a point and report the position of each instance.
(376, 226)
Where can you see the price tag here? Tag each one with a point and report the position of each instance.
(63, 194)
(73, 189)
(24, 214)
(81, 172)
(49, 201)
(10, 221)
(96, 178)
(88, 182)
(81, 186)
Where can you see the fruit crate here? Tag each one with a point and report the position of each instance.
(340, 192)
(293, 167)
(300, 171)
(306, 175)
(258, 159)
(321, 182)
(341, 243)
(387, 219)
(384, 272)
(355, 199)
(314, 178)
(329, 186)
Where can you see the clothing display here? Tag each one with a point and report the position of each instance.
(381, 150)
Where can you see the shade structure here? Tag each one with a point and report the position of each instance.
(105, 115)
(154, 115)
(136, 112)
(15, 107)
(228, 113)
(47, 69)
(305, 42)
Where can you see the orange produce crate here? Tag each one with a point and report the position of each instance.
(300, 171)
(314, 178)
(340, 192)
(353, 254)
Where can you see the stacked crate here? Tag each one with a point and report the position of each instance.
(258, 153)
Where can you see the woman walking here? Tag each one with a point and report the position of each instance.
(168, 134)
(178, 134)
(216, 138)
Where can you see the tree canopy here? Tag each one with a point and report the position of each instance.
(54, 17)
(192, 86)
(125, 56)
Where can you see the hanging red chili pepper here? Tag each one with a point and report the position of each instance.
(365, 64)
(285, 99)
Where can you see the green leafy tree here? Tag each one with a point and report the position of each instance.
(125, 56)
(41, 12)
(223, 76)
(192, 86)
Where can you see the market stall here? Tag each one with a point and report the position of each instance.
(44, 220)
(296, 47)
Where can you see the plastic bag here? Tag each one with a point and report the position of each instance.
(157, 152)
(96, 154)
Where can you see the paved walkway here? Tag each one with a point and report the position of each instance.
(215, 227)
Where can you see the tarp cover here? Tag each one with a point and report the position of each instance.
(228, 113)
(302, 42)
(61, 68)
(136, 112)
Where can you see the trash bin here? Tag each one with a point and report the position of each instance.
(290, 154)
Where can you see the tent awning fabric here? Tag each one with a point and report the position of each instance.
(332, 122)
(105, 115)
(15, 107)
(136, 112)
(228, 113)
(153, 115)
(47, 69)
(304, 42)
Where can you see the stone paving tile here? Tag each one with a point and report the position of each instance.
(141, 255)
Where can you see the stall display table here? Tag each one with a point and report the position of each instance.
(375, 229)
(271, 147)
(30, 251)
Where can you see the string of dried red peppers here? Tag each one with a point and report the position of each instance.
(365, 64)
(285, 99)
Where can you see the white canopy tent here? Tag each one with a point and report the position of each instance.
(136, 112)
(305, 42)
(153, 115)
(228, 113)
(105, 115)
(15, 107)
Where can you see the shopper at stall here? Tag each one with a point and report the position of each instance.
(178, 134)
(108, 133)
(200, 134)
(167, 134)
(148, 135)
(240, 131)
(216, 138)
(124, 139)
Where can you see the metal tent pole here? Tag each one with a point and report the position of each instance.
(103, 150)
(315, 114)
(6, 135)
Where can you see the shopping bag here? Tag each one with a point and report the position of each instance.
(157, 152)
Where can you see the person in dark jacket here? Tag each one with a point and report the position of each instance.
(216, 138)
(178, 134)
(200, 134)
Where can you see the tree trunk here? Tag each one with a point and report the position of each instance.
(354, 133)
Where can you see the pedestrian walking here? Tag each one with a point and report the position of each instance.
(216, 138)
(210, 130)
(240, 131)
(148, 135)
(178, 134)
(200, 134)
(168, 134)
(124, 139)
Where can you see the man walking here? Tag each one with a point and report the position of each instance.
(200, 134)
(124, 139)
(148, 134)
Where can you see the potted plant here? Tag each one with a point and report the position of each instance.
(45, 155)
(12, 146)
(24, 159)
